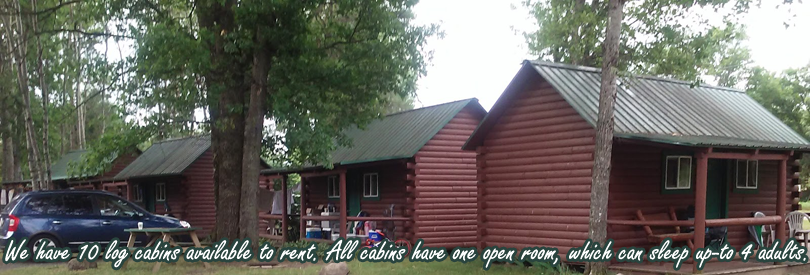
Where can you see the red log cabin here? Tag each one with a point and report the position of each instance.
(410, 160)
(173, 177)
(676, 145)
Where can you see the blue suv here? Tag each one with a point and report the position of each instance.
(68, 218)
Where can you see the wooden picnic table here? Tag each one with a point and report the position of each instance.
(165, 234)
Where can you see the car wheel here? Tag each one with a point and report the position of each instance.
(36, 241)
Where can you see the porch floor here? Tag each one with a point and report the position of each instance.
(713, 267)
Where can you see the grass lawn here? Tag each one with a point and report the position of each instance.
(355, 267)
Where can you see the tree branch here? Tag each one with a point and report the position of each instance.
(94, 34)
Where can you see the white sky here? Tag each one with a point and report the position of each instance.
(481, 52)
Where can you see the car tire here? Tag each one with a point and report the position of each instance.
(34, 243)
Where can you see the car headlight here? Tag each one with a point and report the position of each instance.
(185, 224)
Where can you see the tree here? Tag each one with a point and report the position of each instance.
(604, 133)
(314, 67)
(658, 41)
(785, 95)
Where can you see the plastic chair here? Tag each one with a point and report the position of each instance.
(795, 221)
(763, 234)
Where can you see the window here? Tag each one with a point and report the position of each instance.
(678, 173)
(44, 205)
(110, 206)
(333, 187)
(371, 185)
(77, 205)
(137, 193)
(160, 191)
(747, 174)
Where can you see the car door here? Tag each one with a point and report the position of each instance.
(116, 215)
(75, 221)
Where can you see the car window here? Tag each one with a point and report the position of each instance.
(111, 206)
(44, 205)
(75, 204)
(11, 204)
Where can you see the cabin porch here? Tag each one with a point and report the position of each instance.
(379, 189)
(711, 189)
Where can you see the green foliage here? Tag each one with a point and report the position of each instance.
(334, 64)
(785, 95)
(664, 37)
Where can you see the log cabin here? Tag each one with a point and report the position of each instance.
(410, 160)
(173, 177)
(63, 177)
(676, 145)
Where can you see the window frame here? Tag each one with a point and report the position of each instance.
(664, 166)
(332, 184)
(137, 194)
(746, 188)
(159, 192)
(367, 193)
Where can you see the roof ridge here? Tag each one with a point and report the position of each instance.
(431, 106)
(650, 77)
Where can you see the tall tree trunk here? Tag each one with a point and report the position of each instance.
(576, 51)
(43, 85)
(604, 134)
(81, 141)
(8, 144)
(6, 122)
(248, 220)
(22, 81)
(226, 98)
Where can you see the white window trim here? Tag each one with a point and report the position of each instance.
(678, 178)
(746, 182)
(332, 182)
(137, 194)
(158, 191)
(367, 193)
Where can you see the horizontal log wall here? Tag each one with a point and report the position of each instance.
(635, 184)
(445, 185)
(743, 205)
(200, 209)
(535, 172)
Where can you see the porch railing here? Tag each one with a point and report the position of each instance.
(710, 223)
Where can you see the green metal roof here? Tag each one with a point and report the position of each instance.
(169, 157)
(59, 169)
(395, 136)
(661, 110)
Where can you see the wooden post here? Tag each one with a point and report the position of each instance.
(700, 202)
(129, 194)
(343, 209)
(303, 226)
(285, 203)
(781, 188)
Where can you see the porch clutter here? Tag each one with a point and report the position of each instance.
(795, 221)
(666, 231)
(762, 234)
